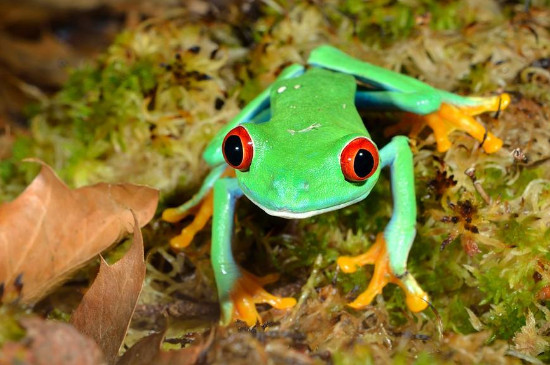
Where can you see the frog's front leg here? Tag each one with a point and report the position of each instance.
(390, 251)
(203, 199)
(238, 291)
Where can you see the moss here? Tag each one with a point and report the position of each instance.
(457, 317)
(10, 330)
(425, 358)
(96, 101)
(497, 183)
(7, 169)
(510, 292)
(519, 233)
(357, 355)
(505, 320)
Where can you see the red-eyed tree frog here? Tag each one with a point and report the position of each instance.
(300, 148)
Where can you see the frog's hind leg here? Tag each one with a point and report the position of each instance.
(444, 112)
(238, 290)
(389, 253)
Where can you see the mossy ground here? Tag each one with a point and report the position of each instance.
(144, 111)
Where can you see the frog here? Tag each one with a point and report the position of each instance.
(300, 148)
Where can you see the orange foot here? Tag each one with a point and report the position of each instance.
(416, 298)
(204, 212)
(451, 117)
(248, 291)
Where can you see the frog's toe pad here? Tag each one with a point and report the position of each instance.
(182, 240)
(347, 264)
(417, 303)
(350, 264)
(416, 298)
(449, 118)
(249, 291)
(173, 215)
(202, 216)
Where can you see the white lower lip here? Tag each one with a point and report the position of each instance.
(293, 215)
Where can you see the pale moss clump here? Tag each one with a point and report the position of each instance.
(143, 112)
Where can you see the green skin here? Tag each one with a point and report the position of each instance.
(299, 126)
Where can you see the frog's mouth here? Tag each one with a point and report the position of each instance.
(289, 214)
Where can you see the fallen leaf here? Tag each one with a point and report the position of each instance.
(50, 230)
(49, 342)
(44, 61)
(144, 351)
(147, 351)
(105, 311)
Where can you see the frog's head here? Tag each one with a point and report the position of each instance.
(298, 175)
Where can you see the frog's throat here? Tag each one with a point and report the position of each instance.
(285, 213)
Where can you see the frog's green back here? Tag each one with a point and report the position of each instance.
(295, 169)
(319, 99)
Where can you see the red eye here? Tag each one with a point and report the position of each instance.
(359, 159)
(238, 149)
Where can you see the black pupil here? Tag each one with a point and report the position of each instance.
(363, 163)
(234, 150)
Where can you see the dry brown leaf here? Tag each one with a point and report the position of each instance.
(49, 342)
(43, 61)
(144, 351)
(148, 351)
(50, 229)
(105, 311)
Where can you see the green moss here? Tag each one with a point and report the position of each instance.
(59, 315)
(87, 117)
(383, 22)
(544, 357)
(355, 282)
(496, 182)
(98, 99)
(14, 174)
(357, 355)
(510, 290)
(10, 330)
(394, 302)
(518, 233)
(7, 169)
(505, 320)
(456, 315)
(312, 243)
(22, 148)
(425, 358)
(118, 252)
